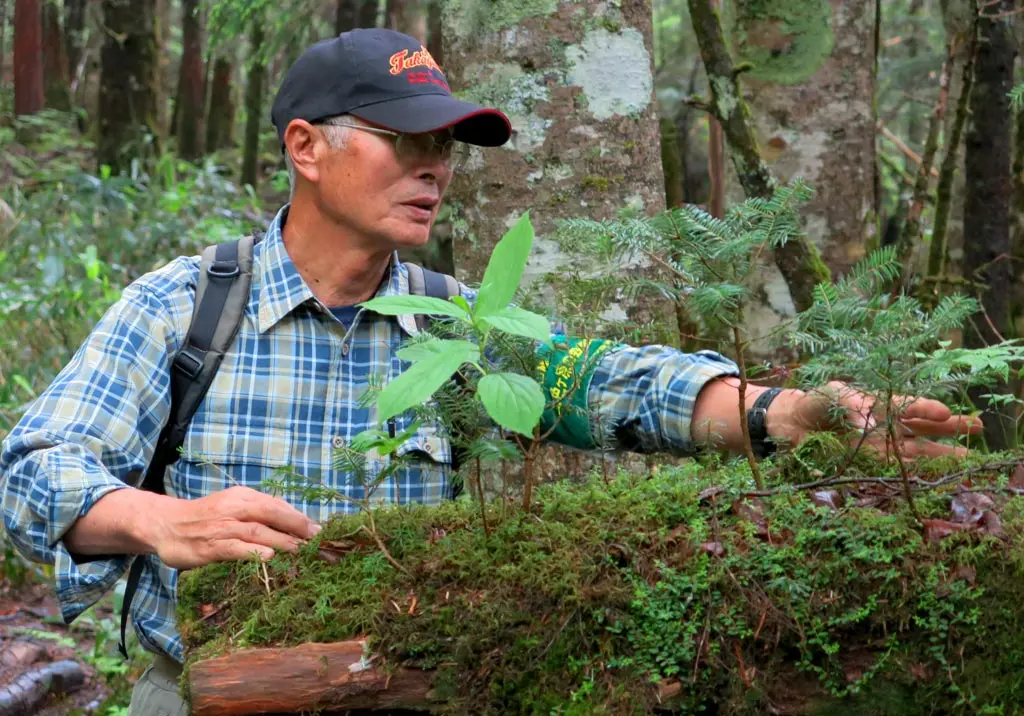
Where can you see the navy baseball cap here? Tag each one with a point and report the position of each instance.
(385, 78)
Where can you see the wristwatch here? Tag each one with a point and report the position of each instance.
(757, 423)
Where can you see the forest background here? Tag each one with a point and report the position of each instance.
(133, 132)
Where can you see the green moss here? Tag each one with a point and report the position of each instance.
(605, 589)
(470, 18)
(596, 182)
(785, 41)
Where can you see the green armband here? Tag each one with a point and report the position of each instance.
(565, 372)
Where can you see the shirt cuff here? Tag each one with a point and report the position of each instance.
(641, 399)
(80, 583)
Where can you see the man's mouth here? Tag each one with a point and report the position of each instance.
(421, 207)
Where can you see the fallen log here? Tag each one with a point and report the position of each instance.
(306, 678)
(671, 593)
(24, 695)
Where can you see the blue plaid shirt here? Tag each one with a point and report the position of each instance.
(286, 395)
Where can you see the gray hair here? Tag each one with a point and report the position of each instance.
(337, 137)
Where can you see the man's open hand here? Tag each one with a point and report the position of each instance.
(228, 525)
(794, 414)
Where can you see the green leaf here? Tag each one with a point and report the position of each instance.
(415, 385)
(513, 401)
(434, 346)
(457, 300)
(522, 323)
(411, 305)
(505, 269)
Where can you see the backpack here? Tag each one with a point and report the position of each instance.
(225, 275)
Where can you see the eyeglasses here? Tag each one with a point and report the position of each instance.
(417, 146)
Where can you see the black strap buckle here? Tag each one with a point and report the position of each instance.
(223, 269)
(190, 361)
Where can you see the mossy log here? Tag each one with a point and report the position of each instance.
(679, 591)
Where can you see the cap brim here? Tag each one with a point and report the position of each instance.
(472, 123)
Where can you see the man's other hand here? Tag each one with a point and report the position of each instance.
(839, 407)
(228, 525)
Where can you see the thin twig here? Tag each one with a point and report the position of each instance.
(902, 146)
(384, 549)
(888, 481)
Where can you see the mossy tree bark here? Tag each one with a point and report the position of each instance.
(672, 163)
(28, 57)
(938, 248)
(811, 93)
(576, 79)
(254, 105)
(127, 109)
(799, 261)
(990, 194)
(190, 84)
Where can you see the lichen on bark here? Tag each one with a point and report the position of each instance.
(785, 41)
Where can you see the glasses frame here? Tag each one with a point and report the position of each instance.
(452, 151)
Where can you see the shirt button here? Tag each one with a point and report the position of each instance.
(429, 448)
(338, 442)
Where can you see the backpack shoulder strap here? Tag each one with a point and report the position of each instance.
(424, 282)
(225, 275)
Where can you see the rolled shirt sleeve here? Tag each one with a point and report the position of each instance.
(94, 425)
(641, 399)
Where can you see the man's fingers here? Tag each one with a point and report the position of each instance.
(233, 550)
(248, 505)
(954, 426)
(913, 449)
(910, 408)
(260, 534)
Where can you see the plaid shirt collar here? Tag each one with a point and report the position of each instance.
(278, 288)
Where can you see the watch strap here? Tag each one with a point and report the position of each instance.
(757, 423)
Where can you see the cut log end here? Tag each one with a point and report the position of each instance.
(310, 677)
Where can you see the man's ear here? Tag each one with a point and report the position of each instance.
(304, 143)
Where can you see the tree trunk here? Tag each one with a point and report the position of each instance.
(3, 37)
(74, 30)
(407, 16)
(915, 124)
(190, 84)
(128, 84)
(346, 16)
(435, 31)
(672, 163)
(368, 13)
(55, 67)
(811, 93)
(254, 105)
(585, 143)
(990, 195)
(306, 678)
(799, 260)
(221, 116)
(28, 57)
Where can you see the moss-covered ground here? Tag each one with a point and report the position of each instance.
(675, 591)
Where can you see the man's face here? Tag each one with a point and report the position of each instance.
(386, 197)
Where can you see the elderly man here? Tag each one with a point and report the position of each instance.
(372, 136)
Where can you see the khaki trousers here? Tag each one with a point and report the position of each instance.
(156, 692)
